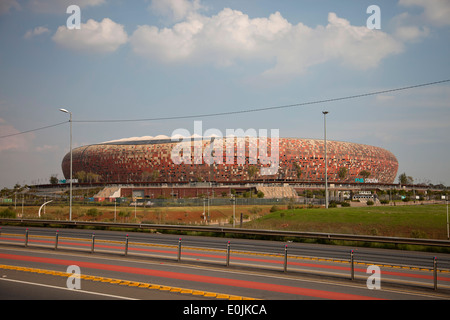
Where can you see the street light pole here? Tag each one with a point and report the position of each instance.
(325, 157)
(448, 228)
(233, 198)
(70, 200)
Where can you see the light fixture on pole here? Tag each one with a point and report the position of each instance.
(233, 199)
(70, 200)
(325, 157)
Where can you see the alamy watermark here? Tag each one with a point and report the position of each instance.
(189, 149)
(74, 281)
(374, 280)
(74, 20)
(374, 21)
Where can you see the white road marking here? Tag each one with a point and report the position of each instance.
(62, 288)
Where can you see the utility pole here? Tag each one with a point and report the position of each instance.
(325, 157)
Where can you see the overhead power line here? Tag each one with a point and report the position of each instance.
(239, 111)
(32, 130)
(269, 108)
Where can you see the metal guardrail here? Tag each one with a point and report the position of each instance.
(351, 257)
(223, 230)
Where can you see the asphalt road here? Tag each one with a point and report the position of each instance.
(373, 255)
(110, 276)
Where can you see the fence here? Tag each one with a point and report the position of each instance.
(283, 256)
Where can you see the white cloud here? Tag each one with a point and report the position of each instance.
(98, 37)
(407, 28)
(411, 33)
(36, 32)
(60, 6)
(175, 9)
(231, 36)
(436, 12)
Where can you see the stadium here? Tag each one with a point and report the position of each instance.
(150, 160)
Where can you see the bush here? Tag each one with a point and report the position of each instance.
(274, 208)
(345, 204)
(93, 212)
(370, 203)
(126, 214)
(332, 204)
(418, 234)
(8, 213)
(255, 210)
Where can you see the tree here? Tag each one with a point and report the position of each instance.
(342, 173)
(155, 175)
(298, 170)
(252, 170)
(92, 177)
(146, 175)
(404, 179)
(81, 176)
(54, 179)
(365, 174)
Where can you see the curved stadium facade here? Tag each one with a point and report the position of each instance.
(149, 159)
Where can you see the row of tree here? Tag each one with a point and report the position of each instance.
(252, 172)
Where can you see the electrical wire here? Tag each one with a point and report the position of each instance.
(239, 111)
(32, 130)
(269, 108)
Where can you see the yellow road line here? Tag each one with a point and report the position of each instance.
(130, 283)
(242, 253)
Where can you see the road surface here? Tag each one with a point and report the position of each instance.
(153, 272)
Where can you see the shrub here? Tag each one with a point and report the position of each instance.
(255, 210)
(8, 213)
(274, 208)
(370, 203)
(127, 213)
(93, 212)
(332, 204)
(418, 234)
(345, 204)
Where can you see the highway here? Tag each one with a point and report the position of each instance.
(152, 267)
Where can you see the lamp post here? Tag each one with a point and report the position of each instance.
(448, 228)
(325, 157)
(233, 199)
(70, 200)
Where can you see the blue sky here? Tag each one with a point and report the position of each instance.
(153, 58)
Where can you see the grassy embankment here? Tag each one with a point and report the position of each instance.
(415, 221)
(412, 221)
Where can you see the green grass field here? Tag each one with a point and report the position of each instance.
(412, 221)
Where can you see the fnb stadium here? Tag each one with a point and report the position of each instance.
(159, 162)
